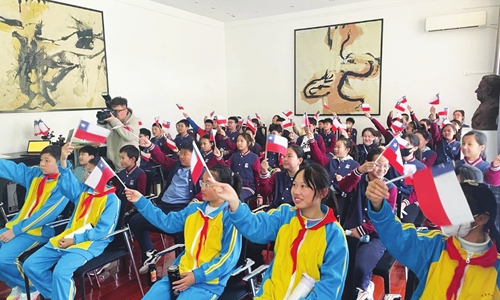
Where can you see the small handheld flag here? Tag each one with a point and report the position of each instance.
(165, 124)
(397, 126)
(171, 144)
(180, 107)
(288, 113)
(197, 164)
(393, 155)
(221, 121)
(316, 115)
(443, 113)
(365, 107)
(100, 176)
(91, 132)
(400, 104)
(435, 101)
(287, 124)
(305, 120)
(325, 106)
(257, 116)
(276, 143)
(249, 124)
(212, 114)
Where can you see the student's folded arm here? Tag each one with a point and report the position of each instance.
(260, 228)
(171, 223)
(46, 214)
(18, 173)
(225, 261)
(333, 271)
(106, 224)
(408, 247)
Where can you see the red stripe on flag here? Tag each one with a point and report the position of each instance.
(90, 137)
(428, 196)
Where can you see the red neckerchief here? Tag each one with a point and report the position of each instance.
(203, 234)
(39, 190)
(488, 259)
(87, 201)
(328, 218)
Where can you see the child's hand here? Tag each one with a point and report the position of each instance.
(409, 108)
(344, 133)
(355, 233)
(264, 166)
(338, 177)
(376, 192)
(66, 150)
(185, 115)
(367, 114)
(7, 236)
(132, 195)
(217, 152)
(310, 135)
(186, 281)
(367, 167)
(496, 162)
(65, 243)
(144, 142)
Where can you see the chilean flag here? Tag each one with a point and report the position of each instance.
(316, 115)
(180, 107)
(197, 164)
(325, 106)
(443, 113)
(287, 124)
(401, 141)
(250, 125)
(165, 124)
(212, 114)
(365, 107)
(397, 126)
(393, 155)
(171, 144)
(221, 121)
(288, 113)
(440, 196)
(400, 105)
(336, 124)
(101, 174)
(139, 122)
(145, 156)
(305, 120)
(276, 143)
(435, 101)
(157, 120)
(91, 132)
(257, 116)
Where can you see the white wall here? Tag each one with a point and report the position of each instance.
(260, 56)
(157, 56)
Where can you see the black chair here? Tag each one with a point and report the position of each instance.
(117, 249)
(411, 284)
(350, 291)
(383, 269)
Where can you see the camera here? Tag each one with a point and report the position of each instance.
(105, 113)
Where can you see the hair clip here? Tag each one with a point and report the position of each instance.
(471, 182)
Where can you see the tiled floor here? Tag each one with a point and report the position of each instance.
(124, 286)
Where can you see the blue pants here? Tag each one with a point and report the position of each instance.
(57, 284)
(161, 290)
(9, 271)
(367, 258)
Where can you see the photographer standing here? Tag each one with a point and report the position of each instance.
(124, 128)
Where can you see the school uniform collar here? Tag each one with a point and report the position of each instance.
(207, 153)
(245, 153)
(348, 157)
(127, 172)
(214, 213)
(474, 162)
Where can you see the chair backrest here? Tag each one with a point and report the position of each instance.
(119, 240)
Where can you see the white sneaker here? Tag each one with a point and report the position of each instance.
(33, 296)
(14, 294)
(368, 294)
(99, 270)
(151, 259)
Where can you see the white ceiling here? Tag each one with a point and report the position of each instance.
(236, 10)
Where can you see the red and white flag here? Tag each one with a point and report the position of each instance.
(316, 115)
(276, 143)
(440, 196)
(157, 120)
(42, 128)
(197, 164)
(325, 106)
(400, 104)
(180, 107)
(365, 107)
(397, 126)
(443, 113)
(393, 155)
(336, 124)
(249, 124)
(435, 101)
(165, 124)
(171, 144)
(288, 113)
(212, 114)
(287, 124)
(213, 133)
(91, 132)
(305, 120)
(100, 176)
(257, 116)
(221, 121)
(139, 122)
(401, 141)
(145, 156)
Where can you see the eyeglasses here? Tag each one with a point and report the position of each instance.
(204, 184)
(120, 110)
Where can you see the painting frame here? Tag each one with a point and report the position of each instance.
(73, 72)
(322, 78)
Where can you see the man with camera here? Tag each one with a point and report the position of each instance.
(124, 126)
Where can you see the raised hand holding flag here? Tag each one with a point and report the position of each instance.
(393, 155)
(180, 107)
(197, 164)
(100, 176)
(400, 104)
(305, 120)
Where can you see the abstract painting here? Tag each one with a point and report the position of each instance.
(338, 68)
(53, 57)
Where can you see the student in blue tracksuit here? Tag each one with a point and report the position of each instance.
(43, 203)
(212, 243)
(71, 249)
(308, 237)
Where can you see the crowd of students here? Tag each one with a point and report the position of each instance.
(327, 185)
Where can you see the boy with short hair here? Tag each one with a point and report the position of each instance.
(329, 137)
(85, 154)
(42, 205)
(183, 135)
(304, 142)
(352, 132)
(133, 176)
(72, 249)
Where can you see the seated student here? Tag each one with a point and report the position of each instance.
(254, 146)
(338, 164)
(473, 145)
(159, 138)
(229, 135)
(388, 134)
(133, 176)
(209, 125)
(85, 154)
(368, 138)
(183, 135)
(260, 135)
(211, 256)
(447, 147)
(308, 237)
(207, 150)
(278, 186)
(42, 205)
(147, 164)
(304, 142)
(463, 266)
(459, 115)
(329, 137)
(178, 191)
(357, 220)
(246, 164)
(71, 250)
(352, 132)
(321, 126)
(428, 155)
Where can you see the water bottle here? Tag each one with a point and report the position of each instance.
(362, 239)
(302, 289)
(173, 276)
(103, 276)
(153, 277)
